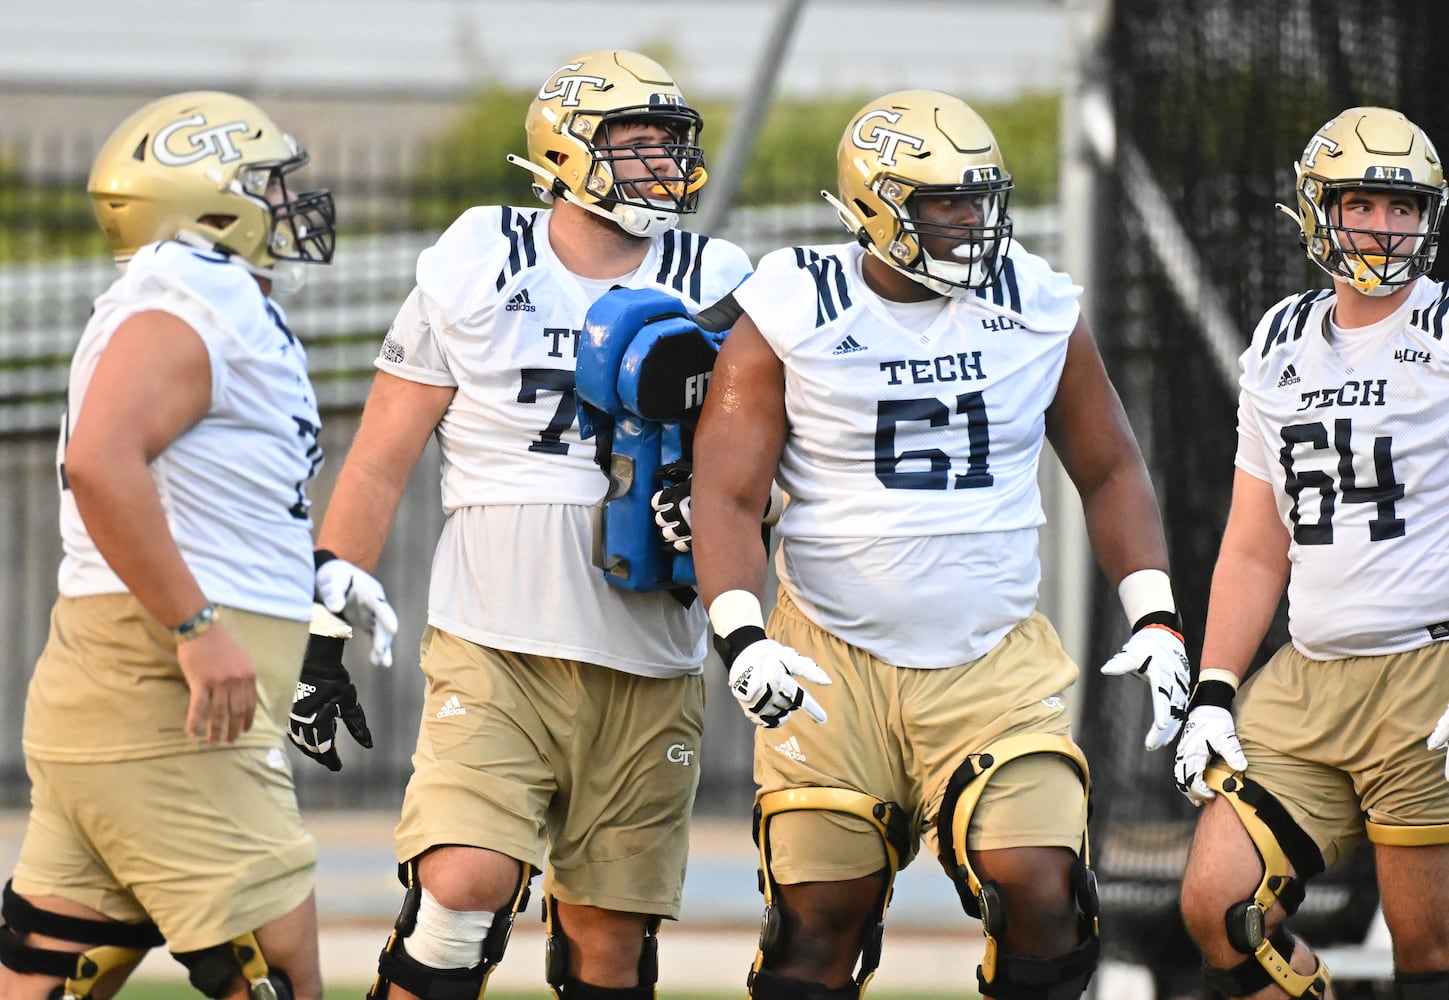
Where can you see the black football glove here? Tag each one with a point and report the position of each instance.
(325, 694)
(671, 505)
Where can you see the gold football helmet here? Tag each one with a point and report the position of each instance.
(916, 144)
(571, 152)
(1373, 149)
(209, 169)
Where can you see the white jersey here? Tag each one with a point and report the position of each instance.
(911, 458)
(233, 487)
(498, 317)
(1359, 463)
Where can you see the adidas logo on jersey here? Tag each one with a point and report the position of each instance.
(849, 346)
(452, 707)
(520, 303)
(791, 748)
(1289, 377)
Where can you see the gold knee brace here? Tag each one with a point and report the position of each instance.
(963, 793)
(1275, 837)
(889, 821)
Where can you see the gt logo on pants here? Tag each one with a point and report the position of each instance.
(678, 753)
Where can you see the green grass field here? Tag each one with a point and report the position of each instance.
(153, 989)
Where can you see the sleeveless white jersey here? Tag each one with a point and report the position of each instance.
(497, 316)
(1359, 463)
(234, 487)
(911, 458)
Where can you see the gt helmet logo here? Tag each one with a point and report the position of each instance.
(214, 141)
(1320, 143)
(568, 87)
(885, 141)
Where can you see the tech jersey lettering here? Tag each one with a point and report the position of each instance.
(234, 487)
(1356, 461)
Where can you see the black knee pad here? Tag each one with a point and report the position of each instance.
(1062, 977)
(766, 985)
(212, 971)
(396, 966)
(112, 944)
(1252, 974)
(1422, 985)
(574, 989)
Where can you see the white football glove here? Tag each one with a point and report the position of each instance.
(763, 676)
(1439, 739)
(1156, 654)
(358, 598)
(1209, 733)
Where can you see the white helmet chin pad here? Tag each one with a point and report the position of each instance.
(638, 221)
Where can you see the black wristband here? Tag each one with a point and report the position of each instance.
(730, 646)
(1169, 618)
(323, 658)
(1214, 694)
(320, 556)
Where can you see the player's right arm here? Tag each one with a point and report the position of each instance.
(736, 451)
(151, 385)
(397, 420)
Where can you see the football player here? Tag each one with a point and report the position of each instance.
(562, 716)
(901, 387)
(1339, 494)
(163, 809)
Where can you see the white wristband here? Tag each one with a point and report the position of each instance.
(327, 625)
(1218, 674)
(735, 609)
(1144, 592)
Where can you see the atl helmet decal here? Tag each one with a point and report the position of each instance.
(674, 100)
(1318, 144)
(883, 140)
(568, 87)
(214, 141)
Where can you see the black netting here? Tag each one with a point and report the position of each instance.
(1216, 99)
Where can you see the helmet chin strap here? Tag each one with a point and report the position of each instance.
(632, 219)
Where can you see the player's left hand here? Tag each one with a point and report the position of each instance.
(358, 597)
(1439, 739)
(671, 505)
(324, 694)
(1156, 654)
